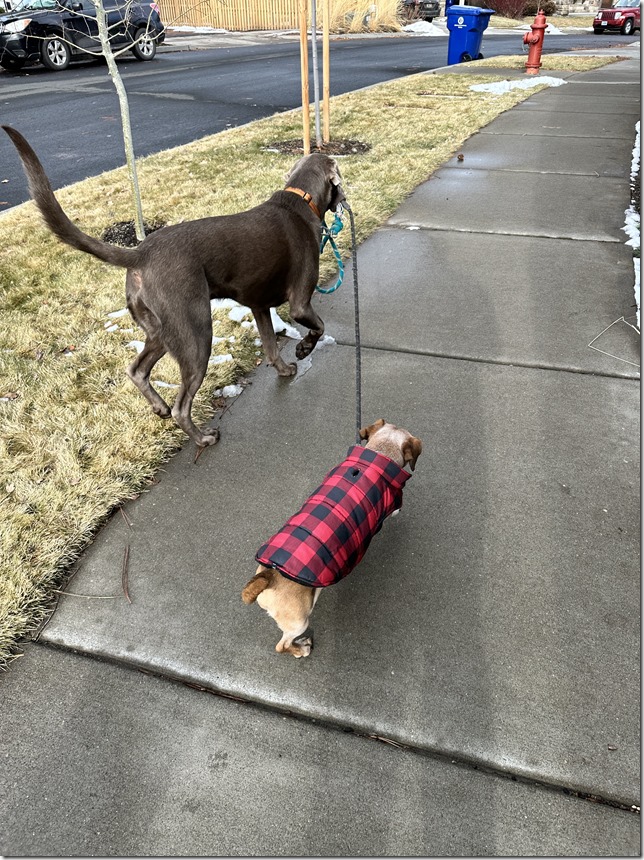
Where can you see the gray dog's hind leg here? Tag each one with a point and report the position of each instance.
(306, 316)
(269, 342)
(194, 365)
(139, 373)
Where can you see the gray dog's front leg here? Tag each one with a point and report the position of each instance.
(269, 342)
(306, 316)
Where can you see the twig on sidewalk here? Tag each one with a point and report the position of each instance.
(610, 354)
(124, 573)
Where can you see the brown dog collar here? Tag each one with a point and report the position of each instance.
(305, 196)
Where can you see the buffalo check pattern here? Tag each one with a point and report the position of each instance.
(330, 533)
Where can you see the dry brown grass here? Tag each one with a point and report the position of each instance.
(76, 438)
(549, 62)
(356, 16)
(562, 22)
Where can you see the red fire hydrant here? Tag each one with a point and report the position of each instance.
(535, 40)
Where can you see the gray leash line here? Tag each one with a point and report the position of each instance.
(356, 314)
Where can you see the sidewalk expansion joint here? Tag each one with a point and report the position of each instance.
(413, 225)
(460, 760)
(498, 361)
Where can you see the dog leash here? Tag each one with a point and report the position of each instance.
(329, 234)
(356, 317)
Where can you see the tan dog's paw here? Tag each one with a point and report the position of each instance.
(298, 648)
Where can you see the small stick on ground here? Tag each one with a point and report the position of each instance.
(126, 558)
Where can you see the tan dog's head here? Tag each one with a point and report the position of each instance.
(394, 442)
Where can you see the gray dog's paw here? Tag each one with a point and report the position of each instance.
(288, 370)
(302, 350)
(210, 438)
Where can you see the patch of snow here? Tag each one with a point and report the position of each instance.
(185, 29)
(636, 288)
(228, 391)
(116, 314)
(220, 359)
(238, 313)
(325, 340)
(501, 87)
(425, 28)
(136, 344)
(280, 327)
(216, 340)
(635, 162)
(161, 384)
(109, 327)
(632, 223)
(223, 303)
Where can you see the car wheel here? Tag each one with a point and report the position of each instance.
(55, 53)
(11, 65)
(145, 47)
(627, 29)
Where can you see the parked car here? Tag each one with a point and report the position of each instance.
(424, 10)
(624, 16)
(54, 32)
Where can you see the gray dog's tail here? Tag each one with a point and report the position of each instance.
(54, 216)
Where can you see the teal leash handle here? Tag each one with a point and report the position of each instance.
(329, 236)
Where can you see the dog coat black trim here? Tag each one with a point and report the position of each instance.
(331, 532)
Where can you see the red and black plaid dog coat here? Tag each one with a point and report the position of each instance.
(330, 533)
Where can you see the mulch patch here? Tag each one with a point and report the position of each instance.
(342, 146)
(123, 232)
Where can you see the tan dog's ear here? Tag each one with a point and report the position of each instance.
(411, 450)
(366, 432)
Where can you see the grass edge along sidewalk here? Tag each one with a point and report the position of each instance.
(76, 438)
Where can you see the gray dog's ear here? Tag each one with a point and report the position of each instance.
(411, 451)
(366, 432)
(335, 178)
(296, 166)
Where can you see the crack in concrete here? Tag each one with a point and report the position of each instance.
(445, 756)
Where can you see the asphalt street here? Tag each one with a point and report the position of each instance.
(72, 118)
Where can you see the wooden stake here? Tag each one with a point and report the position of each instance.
(304, 70)
(326, 120)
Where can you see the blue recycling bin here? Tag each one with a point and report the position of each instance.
(466, 25)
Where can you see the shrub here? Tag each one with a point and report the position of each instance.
(531, 7)
(507, 8)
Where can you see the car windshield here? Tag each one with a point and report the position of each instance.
(624, 4)
(24, 5)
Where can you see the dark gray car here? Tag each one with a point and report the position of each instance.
(423, 10)
(54, 32)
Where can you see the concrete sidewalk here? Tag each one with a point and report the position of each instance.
(491, 635)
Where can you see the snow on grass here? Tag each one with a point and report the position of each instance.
(424, 28)
(632, 223)
(502, 87)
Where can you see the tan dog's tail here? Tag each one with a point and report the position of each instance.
(257, 584)
(54, 216)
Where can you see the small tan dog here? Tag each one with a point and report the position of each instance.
(330, 534)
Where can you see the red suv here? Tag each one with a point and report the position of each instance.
(624, 16)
